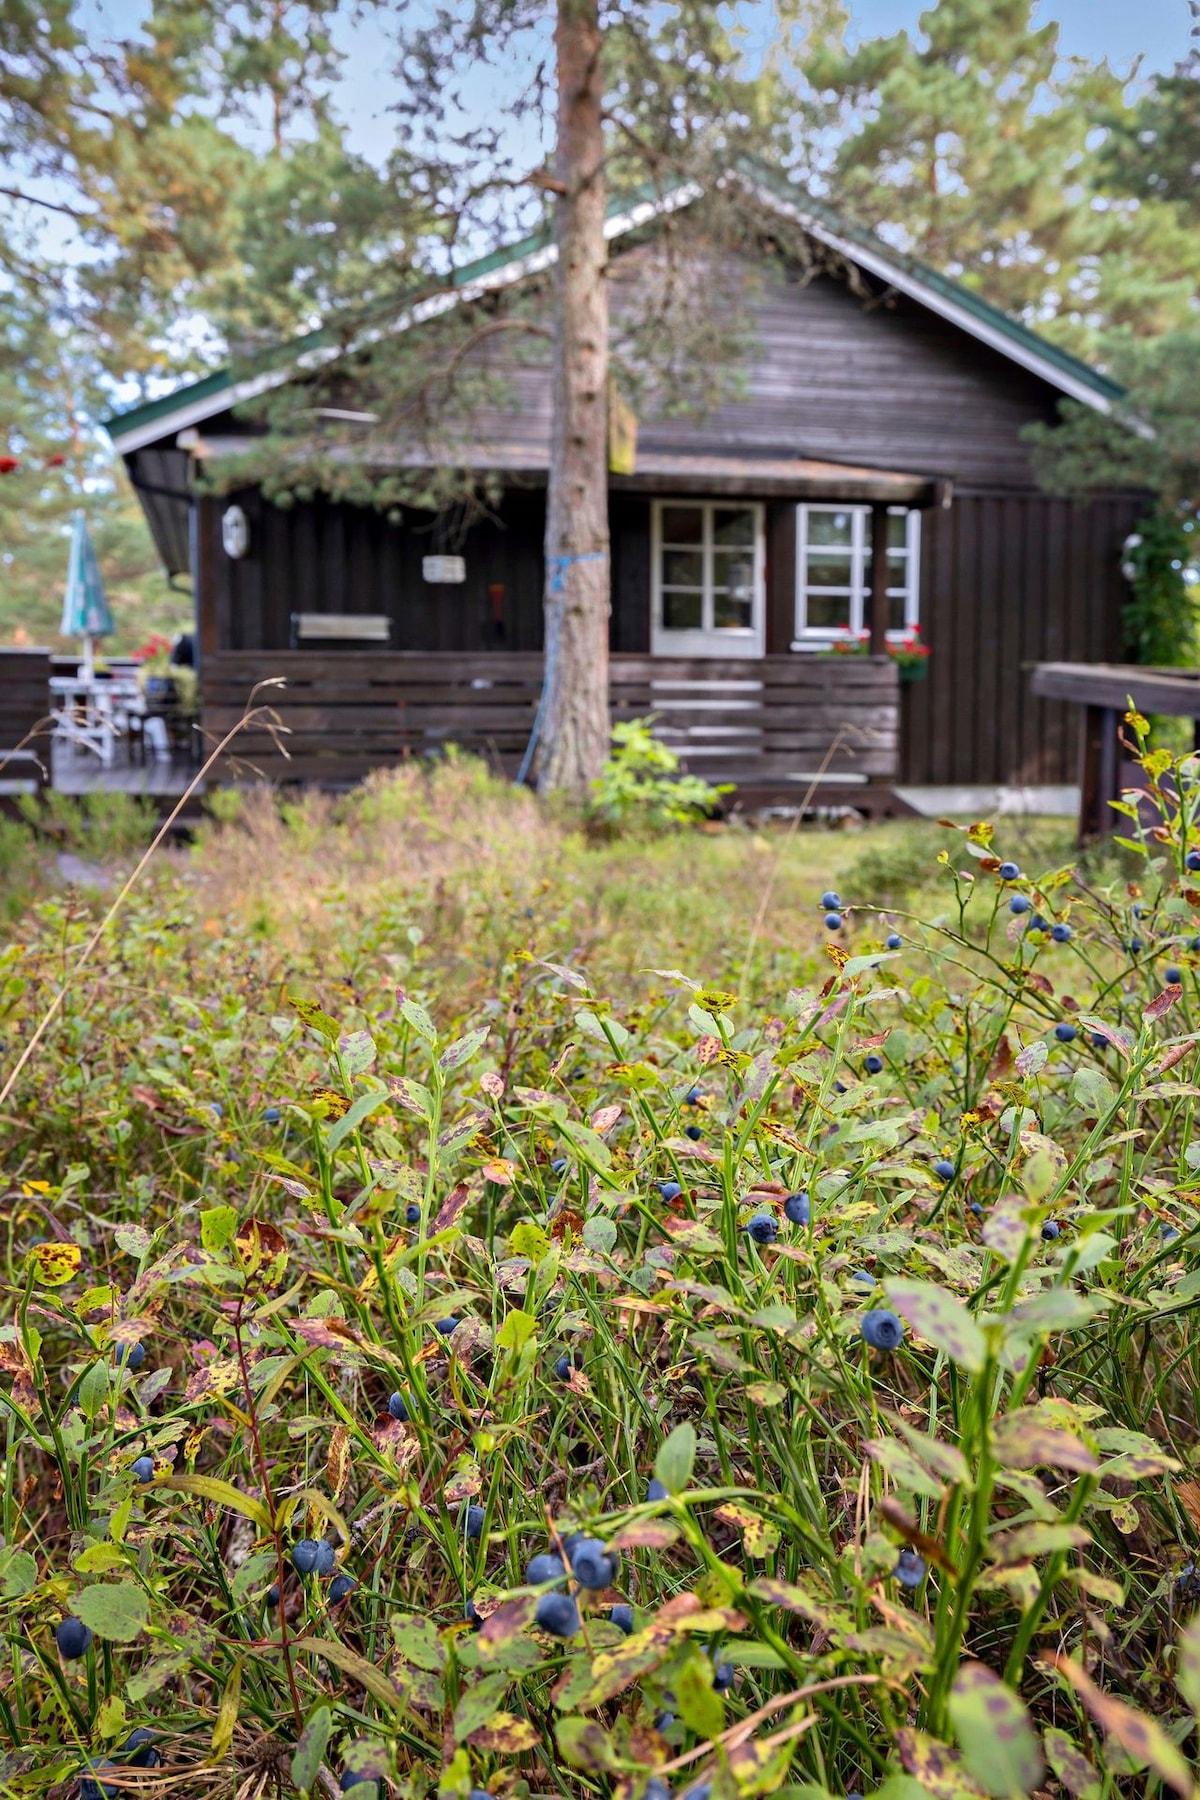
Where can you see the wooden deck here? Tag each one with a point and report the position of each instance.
(77, 772)
(773, 726)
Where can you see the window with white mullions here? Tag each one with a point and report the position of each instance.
(833, 573)
(708, 578)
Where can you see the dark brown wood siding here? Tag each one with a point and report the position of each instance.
(1008, 580)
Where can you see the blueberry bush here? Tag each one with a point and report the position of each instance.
(450, 1350)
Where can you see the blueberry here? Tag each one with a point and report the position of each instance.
(763, 1228)
(472, 1614)
(304, 1556)
(1135, 946)
(664, 1721)
(944, 1169)
(1172, 975)
(479, 1794)
(910, 1569)
(562, 1368)
(670, 1190)
(862, 1278)
(693, 1097)
(1192, 860)
(558, 1165)
(352, 1782)
(1169, 1234)
(1065, 1032)
(1099, 1041)
(1037, 923)
(557, 1614)
(831, 902)
(139, 1750)
(881, 1329)
(1141, 912)
(143, 1469)
(872, 1064)
(397, 1406)
(1061, 934)
(656, 1489)
(622, 1618)
(473, 1517)
(1194, 944)
(412, 1213)
(273, 1595)
(1008, 871)
(90, 1789)
(694, 1132)
(341, 1588)
(445, 1326)
(701, 1791)
(1019, 904)
(973, 1206)
(1050, 1230)
(724, 1676)
(656, 1789)
(73, 1638)
(797, 1208)
(272, 1115)
(839, 1087)
(833, 921)
(549, 1566)
(131, 1356)
(592, 1564)
(216, 1109)
(326, 1557)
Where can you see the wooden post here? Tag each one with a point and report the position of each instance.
(879, 579)
(1098, 771)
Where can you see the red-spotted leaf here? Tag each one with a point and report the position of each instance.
(997, 1739)
(1162, 1002)
(1071, 1765)
(1144, 1742)
(941, 1320)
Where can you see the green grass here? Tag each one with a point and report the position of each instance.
(585, 1068)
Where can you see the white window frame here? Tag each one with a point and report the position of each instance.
(818, 637)
(709, 640)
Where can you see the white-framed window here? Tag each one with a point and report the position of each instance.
(833, 572)
(708, 568)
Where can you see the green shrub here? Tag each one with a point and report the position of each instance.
(641, 788)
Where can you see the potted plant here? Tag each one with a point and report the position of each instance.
(910, 655)
(154, 670)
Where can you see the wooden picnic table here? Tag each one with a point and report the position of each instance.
(1103, 692)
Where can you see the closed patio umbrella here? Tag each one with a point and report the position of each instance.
(85, 611)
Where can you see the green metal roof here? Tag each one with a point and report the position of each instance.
(769, 182)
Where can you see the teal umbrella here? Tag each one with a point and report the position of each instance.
(85, 611)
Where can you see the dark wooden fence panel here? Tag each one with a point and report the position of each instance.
(1007, 580)
(24, 694)
(776, 723)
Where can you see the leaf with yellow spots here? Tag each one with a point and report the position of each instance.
(837, 956)
(56, 1264)
(759, 1538)
(227, 1713)
(337, 1462)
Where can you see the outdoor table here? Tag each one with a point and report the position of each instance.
(1103, 692)
(90, 711)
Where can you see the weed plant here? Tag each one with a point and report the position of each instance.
(831, 1344)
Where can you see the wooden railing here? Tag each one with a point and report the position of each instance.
(769, 724)
(24, 710)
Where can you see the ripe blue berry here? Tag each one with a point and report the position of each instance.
(831, 902)
(1099, 1041)
(872, 1064)
(558, 1615)
(272, 1115)
(622, 1618)
(479, 1794)
(833, 921)
(1169, 1234)
(1019, 904)
(445, 1326)
(670, 1190)
(549, 1566)
(656, 1789)
(131, 1356)
(1008, 871)
(562, 1368)
(862, 1278)
(304, 1556)
(73, 1638)
(326, 1557)
(341, 1588)
(1051, 1230)
(1065, 1032)
(1037, 923)
(97, 1789)
(895, 941)
(472, 1614)
(910, 1569)
(364, 1787)
(412, 1213)
(1192, 860)
(139, 1751)
(797, 1208)
(664, 1721)
(143, 1469)
(273, 1595)
(558, 1164)
(724, 1676)
(1061, 934)
(694, 1132)
(397, 1406)
(1172, 975)
(881, 1329)
(1141, 912)
(1135, 946)
(473, 1517)
(656, 1489)
(592, 1564)
(763, 1228)
(973, 1206)
(693, 1097)
(944, 1169)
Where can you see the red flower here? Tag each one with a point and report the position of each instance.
(56, 461)
(9, 465)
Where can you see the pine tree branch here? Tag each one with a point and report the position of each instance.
(71, 212)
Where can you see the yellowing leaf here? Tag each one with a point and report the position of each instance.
(227, 1713)
(55, 1264)
(1143, 1741)
(357, 1667)
(221, 1493)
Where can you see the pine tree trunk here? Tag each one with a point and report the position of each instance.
(575, 721)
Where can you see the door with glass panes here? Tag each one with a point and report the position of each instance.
(708, 568)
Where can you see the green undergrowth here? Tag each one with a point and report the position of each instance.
(420, 1094)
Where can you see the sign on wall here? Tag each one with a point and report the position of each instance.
(444, 568)
(235, 532)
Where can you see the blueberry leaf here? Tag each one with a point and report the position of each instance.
(997, 1739)
(310, 1749)
(114, 1610)
(941, 1320)
(676, 1458)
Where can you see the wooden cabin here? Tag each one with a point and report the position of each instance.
(874, 439)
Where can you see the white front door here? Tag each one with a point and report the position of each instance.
(708, 578)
